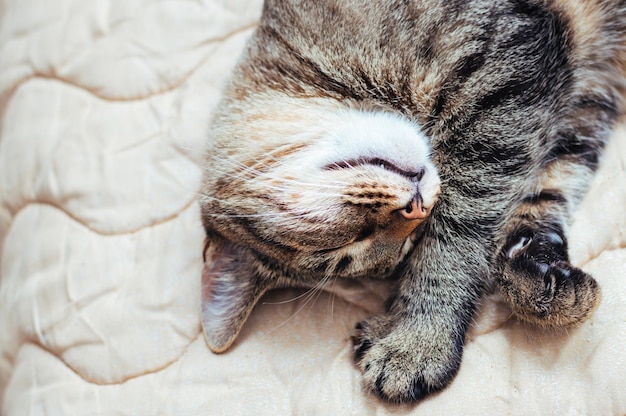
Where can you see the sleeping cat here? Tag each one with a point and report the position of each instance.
(444, 143)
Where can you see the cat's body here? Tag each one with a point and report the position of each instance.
(319, 166)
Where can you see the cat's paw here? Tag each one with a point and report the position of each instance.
(540, 283)
(403, 363)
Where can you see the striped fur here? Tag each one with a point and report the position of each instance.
(343, 116)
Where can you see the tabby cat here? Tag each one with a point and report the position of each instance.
(444, 143)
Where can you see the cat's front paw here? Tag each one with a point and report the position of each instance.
(402, 363)
(542, 286)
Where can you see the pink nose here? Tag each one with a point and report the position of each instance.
(414, 210)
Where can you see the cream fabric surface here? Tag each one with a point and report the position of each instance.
(104, 108)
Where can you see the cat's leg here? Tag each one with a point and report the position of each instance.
(532, 268)
(415, 348)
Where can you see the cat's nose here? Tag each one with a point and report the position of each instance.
(407, 218)
(414, 210)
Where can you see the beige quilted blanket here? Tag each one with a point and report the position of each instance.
(104, 107)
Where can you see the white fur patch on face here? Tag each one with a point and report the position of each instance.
(343, 137)
(376, 135)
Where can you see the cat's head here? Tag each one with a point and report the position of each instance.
(299, 190)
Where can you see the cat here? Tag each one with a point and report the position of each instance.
(442, 143)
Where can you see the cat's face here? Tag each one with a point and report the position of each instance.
(315, 185)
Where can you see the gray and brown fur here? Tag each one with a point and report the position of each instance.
(517, 98)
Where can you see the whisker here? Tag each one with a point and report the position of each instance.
(311, 295)
(300, 296)
(318, 214)
(243, 169)
(331, 300)
(267, 177)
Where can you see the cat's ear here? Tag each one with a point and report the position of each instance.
(230, 289)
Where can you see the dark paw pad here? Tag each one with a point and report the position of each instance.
(545, 246)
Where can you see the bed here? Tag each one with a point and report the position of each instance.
(104, 109)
